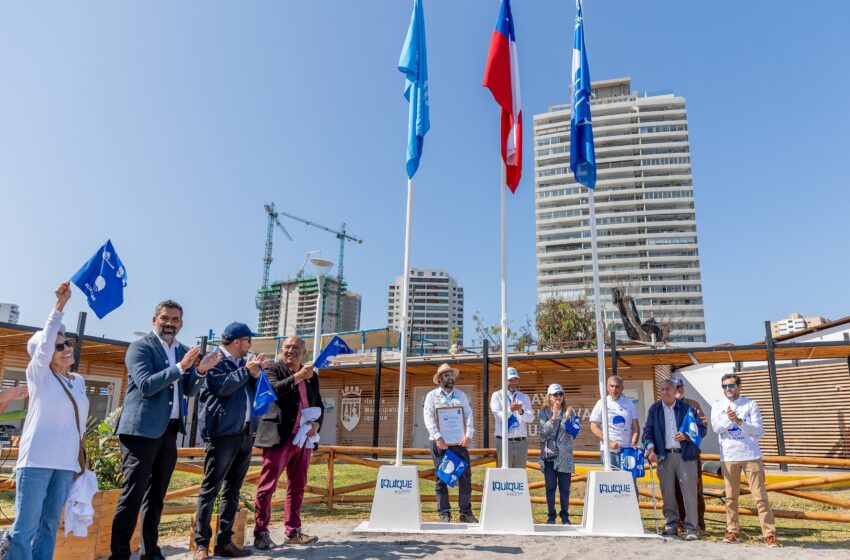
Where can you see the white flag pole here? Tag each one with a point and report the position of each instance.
(405, 310)
(600, 333)
(503, 188)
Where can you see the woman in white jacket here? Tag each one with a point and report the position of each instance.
(48, 456)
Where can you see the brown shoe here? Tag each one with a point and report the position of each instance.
(300, 538)
(772, 541)
(201, 554)
(230, 550)
(730, 537)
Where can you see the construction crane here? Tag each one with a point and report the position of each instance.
(263, 295)
(343, 237)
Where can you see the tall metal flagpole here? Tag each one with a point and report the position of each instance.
(503, 188)
(600, 332)
(402, 373)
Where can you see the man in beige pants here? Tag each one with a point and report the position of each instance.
(738, 423)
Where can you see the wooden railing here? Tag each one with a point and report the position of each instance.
(331, 494)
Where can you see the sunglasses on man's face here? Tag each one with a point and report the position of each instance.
(729, 386)
(62, 345)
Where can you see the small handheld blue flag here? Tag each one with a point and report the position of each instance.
(451, 468)
(582, 153)
(103, 279)
(631, 460)
(573, 425)
(335, 347)
(264, 395)
(414, 64)
(689, 427)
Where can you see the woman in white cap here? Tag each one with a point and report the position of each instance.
(556, 450)
(49, 453)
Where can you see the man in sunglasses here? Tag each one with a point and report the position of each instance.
(738, 423)
(228, 425)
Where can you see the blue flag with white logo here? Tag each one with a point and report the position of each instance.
(335, 347)
(573, 425)
(264, 395)
(582, 153)
(103, 279)
(451, 467)
(631, 460)
(690, 428)
(413, 63)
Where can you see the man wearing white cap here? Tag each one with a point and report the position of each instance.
(520, 414)
(447, 396)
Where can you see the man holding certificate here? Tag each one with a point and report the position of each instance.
(448, 417)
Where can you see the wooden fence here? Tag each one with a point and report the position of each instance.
(330, 494)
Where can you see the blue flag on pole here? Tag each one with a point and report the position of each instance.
(582, 153)
(689, 427)
(451, 467)
(264, 395)
(414, 64)
(335, 347)
(631, 460)
(573, 425)
(103, 279)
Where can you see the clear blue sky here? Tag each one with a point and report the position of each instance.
(165, 126)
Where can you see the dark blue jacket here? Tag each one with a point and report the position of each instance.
(150, 388)
(653, 432)
(228, 390)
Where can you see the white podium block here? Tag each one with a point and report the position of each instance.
(611, 506)
(395, 506)
(506, 505)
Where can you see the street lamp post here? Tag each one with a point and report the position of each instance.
(321, 267)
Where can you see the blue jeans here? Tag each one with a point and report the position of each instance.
(554, 478)
(39, 497)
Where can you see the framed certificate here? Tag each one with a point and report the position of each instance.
(451, 422)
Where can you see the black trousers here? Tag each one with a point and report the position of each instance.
(226, 463)
(147, 464)
(464, 483)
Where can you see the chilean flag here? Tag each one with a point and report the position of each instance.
(501, 77)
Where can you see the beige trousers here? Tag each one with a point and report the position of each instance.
(755, 476)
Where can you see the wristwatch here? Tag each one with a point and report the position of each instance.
(740, 422)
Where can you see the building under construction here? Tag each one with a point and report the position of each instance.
(290, 307)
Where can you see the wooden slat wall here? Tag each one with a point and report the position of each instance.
(815, 408)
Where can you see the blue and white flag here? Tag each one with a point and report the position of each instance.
(573, 425)
(264, 395)
(103, 279)
(631, 460)
(335, 347)
(451, 467)
(582, 153)
(690, 428)
(414, 64)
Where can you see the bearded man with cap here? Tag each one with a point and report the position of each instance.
(225, 411)
(520, 414)
(445, 396)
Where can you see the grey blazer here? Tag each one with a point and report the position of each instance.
(150, 388)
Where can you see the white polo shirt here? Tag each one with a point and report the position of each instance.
(621, 413)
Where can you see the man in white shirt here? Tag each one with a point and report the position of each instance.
(623, 425)
(519, 409)
(447, 396)
(738, 423)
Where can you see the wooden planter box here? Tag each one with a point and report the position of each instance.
(96, 544)
(239, 522)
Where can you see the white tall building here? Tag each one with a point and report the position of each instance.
(436, 307)
(290, 308)
(9, 313)
(646, 222)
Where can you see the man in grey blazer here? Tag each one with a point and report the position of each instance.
(161, 373)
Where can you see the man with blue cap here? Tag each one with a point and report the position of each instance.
(520, 414)
(225, 411)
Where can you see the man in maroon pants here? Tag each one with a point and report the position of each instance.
(297, 387)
